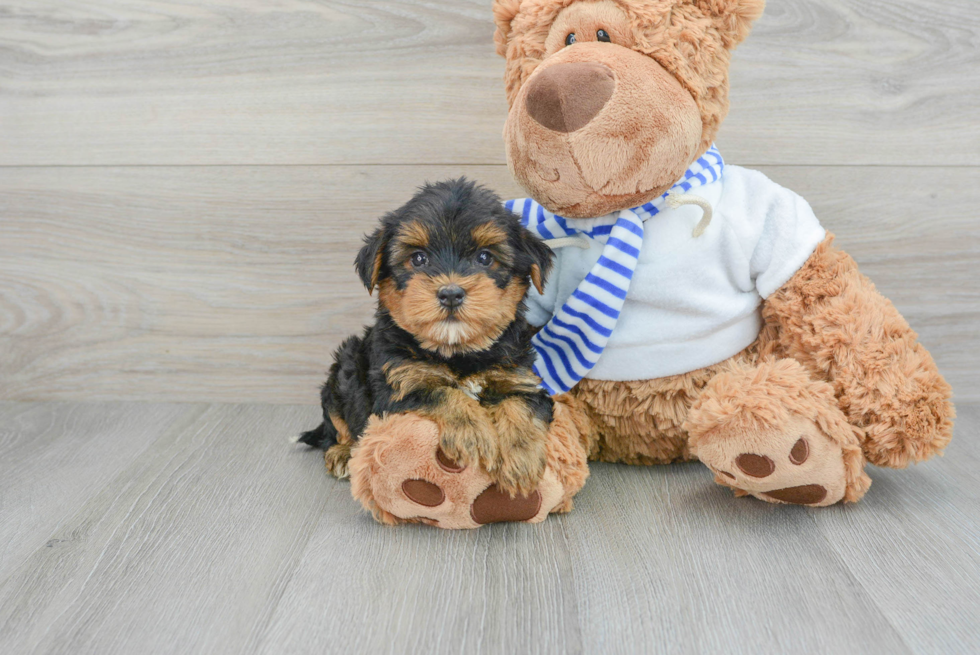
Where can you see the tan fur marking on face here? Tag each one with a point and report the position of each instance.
(494, 238)
(343, 432)
(489, 234)
(486, 311)
(413, 235)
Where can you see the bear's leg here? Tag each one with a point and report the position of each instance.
(831, 318)
(771, 431)
(640, 422)
(399, 474)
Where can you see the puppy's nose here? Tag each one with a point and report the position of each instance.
(565, 97)
(450, 296)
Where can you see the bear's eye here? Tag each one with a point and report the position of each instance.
(602, 35)
(484, 258)
(570, 39)
(419, 259)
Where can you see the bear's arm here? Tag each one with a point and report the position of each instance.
(830, 318)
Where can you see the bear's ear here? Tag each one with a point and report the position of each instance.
(733, 18)
(503, 13)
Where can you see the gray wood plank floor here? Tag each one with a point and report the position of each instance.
(200, 530)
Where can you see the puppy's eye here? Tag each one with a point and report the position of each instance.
(570, 39)
(419, 259)
(602, 35)
(484, 258)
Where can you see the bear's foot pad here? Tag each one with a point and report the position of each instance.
(795, 463)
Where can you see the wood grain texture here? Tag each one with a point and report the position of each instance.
(185, 551)
(416, 81)
(53, 460)
(917, 528)
(235, 284)
(222, 538)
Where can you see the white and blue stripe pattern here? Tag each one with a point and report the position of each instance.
(570, 344)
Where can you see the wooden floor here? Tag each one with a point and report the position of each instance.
(179, 528)
(183, 185)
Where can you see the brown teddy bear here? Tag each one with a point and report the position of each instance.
(697, 309)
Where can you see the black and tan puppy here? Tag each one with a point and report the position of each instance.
(450, 341)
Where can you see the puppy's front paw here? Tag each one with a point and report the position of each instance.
(471, 445)
(336, 459)
(523, 446)
(467, 435)
(520, 468)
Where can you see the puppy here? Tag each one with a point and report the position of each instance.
(450, 341)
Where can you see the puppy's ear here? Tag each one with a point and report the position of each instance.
(371, 258)
(542, 257)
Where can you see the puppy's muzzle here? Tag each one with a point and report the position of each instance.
(451, 296)
(566, 97)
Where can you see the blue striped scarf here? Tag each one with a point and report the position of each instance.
(570, 344)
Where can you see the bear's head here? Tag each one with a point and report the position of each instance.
(612, 100)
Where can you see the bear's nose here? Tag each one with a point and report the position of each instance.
(565, 97)
(450, 296)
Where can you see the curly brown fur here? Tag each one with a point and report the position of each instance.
(571, 437)
(830, 318)
(450, 341)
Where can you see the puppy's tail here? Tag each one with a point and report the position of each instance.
(322, 437)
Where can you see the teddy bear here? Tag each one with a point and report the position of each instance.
(697, 310)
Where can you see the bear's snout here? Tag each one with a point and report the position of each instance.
(566, 97)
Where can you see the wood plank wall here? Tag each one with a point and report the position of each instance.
(183, 185)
